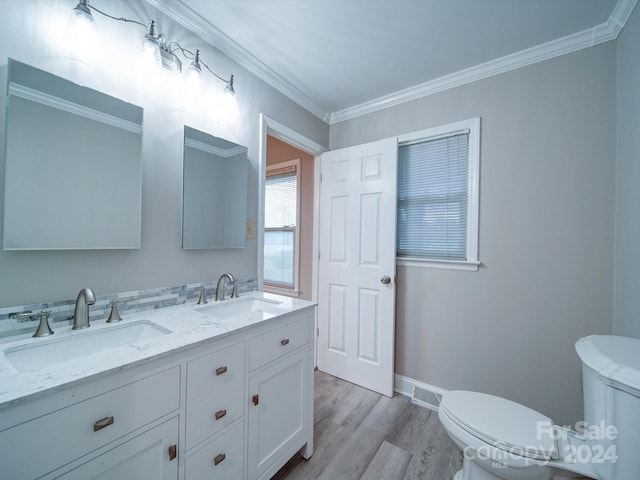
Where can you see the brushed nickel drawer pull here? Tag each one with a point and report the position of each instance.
(102, 423)
(284, 342)
(220, 414)
(219, 458)
(173, 452)
(221, 370)
(256, 399)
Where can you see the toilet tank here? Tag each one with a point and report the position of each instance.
(611, 390)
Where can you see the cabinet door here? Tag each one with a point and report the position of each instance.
(145, 456)
(277, 411)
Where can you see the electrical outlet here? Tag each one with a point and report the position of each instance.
(250, 230)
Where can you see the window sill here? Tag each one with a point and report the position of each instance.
(287, 292)
(442, 264)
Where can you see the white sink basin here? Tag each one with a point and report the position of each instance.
(240, 306)
(80, 344)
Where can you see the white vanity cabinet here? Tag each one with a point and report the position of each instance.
(83, 425)
(236, 406)
(281, 409)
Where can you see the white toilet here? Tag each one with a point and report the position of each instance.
(502, 440)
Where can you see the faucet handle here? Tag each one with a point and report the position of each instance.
(44, 330)
(234, 292)
(114, 315)
(203, 296)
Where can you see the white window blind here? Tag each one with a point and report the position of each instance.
(433, 181)
(280, 218)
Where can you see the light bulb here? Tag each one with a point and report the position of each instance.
(82, 13)
(150, 45)
(80, 29)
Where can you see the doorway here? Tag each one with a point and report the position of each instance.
(278, 132)
(288, 221)
(370, 168)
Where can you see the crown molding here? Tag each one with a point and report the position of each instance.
(185, 16)
(58, 103)
(601, 33)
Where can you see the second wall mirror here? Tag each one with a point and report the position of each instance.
(214, 206)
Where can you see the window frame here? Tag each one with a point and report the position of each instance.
(281, 288)
(472, 125)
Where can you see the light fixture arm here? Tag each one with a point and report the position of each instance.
(86, 4)
(84, 8)
(188, 54)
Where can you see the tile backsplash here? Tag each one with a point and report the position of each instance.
(128, 302)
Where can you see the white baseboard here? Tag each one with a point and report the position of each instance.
(410, 387)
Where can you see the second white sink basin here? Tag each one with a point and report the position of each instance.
(80, 344)
(239, 306)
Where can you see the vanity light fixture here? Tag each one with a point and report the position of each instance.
(195, 69)
(155, 45)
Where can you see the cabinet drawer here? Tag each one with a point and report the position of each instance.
(215, 392)
(71, 432)
(221, 459)
(271, 345)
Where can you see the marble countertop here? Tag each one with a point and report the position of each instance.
(188, 328)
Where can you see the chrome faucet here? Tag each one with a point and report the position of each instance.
(220, 286)
(85, 298)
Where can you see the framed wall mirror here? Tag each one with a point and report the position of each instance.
(72, 165)
(214, 207)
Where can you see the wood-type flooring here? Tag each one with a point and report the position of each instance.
(362, 435)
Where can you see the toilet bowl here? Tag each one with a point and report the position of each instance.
(503, 440)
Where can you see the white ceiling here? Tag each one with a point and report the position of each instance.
(339, 58)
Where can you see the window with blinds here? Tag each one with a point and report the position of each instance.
(433, 198)
(280, 224)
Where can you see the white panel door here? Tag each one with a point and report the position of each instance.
(356, 285)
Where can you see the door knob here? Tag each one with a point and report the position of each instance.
(385, 280)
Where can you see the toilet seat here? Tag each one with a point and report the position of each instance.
(502, 423)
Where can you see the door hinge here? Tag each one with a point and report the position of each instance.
(317, 332)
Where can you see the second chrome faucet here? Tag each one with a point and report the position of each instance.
(220, 286)
(85, 298)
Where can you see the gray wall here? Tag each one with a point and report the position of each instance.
(546, 234)
(34, 32)
(627, 285)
